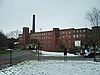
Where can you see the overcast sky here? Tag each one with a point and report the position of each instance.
(15, 14)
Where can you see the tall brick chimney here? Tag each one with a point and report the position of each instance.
(33, 24)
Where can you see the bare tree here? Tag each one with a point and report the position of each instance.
(3, 40)
(94, 16)
(13, 34)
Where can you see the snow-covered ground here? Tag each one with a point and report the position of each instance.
(53, 67)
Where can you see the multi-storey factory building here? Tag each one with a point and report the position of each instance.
(57, 39)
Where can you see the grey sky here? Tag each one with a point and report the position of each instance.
(15, 14)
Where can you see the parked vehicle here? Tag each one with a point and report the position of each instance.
(90, 52)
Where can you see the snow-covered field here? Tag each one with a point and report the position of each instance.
(53, 67)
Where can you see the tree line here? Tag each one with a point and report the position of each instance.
(8, 40)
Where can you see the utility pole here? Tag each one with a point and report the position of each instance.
(94, 54)
(41, 38)
(38, 54)
(10, 57)
(40, 44)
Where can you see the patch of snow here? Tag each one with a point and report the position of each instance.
(53, 67)
(46, 53)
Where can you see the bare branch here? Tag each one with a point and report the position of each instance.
(13, 34)
(94, 17)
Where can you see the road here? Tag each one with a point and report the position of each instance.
(17, 56)
(20, 56)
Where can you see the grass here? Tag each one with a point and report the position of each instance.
(4, 51)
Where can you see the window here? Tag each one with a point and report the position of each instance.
(80, 35)
(77, 31)
(76, 36)
(63, 36)
(69, 36)
(66, 35)
(69, 32)
(63, 32)
(83, 35)
(73, 31)
(69, 45)
(66, 32)
(84, 30)
(73, 36)
(80, 31)
(67, 40)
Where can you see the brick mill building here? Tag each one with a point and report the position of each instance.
(56, 39)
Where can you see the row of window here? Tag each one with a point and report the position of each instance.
(74, 36)
(41, 37)
(67, 36)
(79, 36)
(47, 34)
(43, 34)
(46, 41)
(74, 31)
